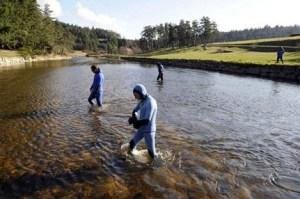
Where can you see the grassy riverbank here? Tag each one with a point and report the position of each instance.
(262, 52)
(11, 57)
(15, 53)
(9, 53)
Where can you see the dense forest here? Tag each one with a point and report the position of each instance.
(27, 27)
(185, 33)
(193, 33)
(259, 33)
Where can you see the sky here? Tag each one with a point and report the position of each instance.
(128, 17)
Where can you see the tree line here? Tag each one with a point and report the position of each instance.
(27, 27)
(204, 31)
(93, 39)
(186, 33)
(259, 33)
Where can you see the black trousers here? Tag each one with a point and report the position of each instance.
(280, 58)
(160, 77)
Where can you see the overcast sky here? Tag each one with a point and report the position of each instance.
(128, 17)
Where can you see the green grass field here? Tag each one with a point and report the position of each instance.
(261, 51)
(282, 40)
(9, 53)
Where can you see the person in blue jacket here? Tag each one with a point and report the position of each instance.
(144, 120)
(97, 86)
(280, 52)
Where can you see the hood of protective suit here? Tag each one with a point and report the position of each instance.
(98, 70)
(141, 89)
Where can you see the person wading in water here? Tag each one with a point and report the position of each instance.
(144, 120)
(97, 87)
(161, 69)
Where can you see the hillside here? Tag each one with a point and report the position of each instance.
(262, 51)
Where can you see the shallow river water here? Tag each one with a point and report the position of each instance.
(221, 136)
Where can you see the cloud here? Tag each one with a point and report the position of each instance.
(99, 20)
(55, 7)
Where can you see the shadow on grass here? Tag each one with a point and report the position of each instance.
(168, 51)
(259, 48)
(296, 60)
(221, 51)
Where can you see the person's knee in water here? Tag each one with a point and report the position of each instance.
(97, 86)
(144, 119)
(160, 77)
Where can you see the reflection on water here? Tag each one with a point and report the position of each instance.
(224, 136)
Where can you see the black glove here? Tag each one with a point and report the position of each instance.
(130, 120)
(138, 123)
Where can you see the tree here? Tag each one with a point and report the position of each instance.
(209, 30)
(197, 30)
(47, 33)
(122, 43)
(149, 34)
(181, 33)
(143, 44)
(112, 46)
(20, 20)
(258, 33)
(64, 39)
(188, 34)
(160, 35)
(173, 35)
(24, 26)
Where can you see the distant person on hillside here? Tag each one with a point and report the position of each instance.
(97, 87)
(280, 52)
(161, 69)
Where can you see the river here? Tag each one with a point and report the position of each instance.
(223, 136)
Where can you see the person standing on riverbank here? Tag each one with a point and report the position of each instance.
(280, 52)
(144, 120)
(160, 68)
(97, 87)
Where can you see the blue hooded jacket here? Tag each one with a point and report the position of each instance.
(146, 109)
(280, 52)
(98, 82)
(160, 68)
